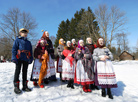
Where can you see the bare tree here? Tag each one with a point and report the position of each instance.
(10, 24)
(110, 21)
(103, 16)
(6, 46)
(52, 38)
(14, 20)
(122, 41)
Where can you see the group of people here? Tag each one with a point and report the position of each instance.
(89, 65)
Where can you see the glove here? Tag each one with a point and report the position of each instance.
(30, 61)
(15, 61)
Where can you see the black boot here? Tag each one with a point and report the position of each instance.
(25, 86)
(109, 93)
(72, 84)
(61, 77)
(103, 92)
(16, 87)
(96, 87)
(46, 81)
(92, 86)
(69, 84)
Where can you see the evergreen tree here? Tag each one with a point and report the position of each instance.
(88, 26)
(82, 25)
(61, 33)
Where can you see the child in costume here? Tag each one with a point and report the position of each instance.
(21, 55)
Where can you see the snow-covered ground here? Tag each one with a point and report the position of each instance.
(127, 91)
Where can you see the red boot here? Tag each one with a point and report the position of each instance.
(88, 89)
(84, 88)
(41, 86)
(35, 83)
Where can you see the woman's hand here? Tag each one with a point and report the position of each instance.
(70, 54)
(107, 57)
(104, 58)
(46, 52)
(79, 52)
(42, 57)
(85, 55)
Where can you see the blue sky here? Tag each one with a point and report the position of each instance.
(49, 13)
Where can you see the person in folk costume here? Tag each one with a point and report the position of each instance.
(73, 43)
(60, 49)
(21, 55)
(91, 47)
(51, 56)
(83, 72)
(40, 68)
(105, 75)
(68, 64)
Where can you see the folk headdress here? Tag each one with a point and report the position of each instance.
(81, 47)
(98, 44)
(40, 42)
(44, 35)
(61, 39)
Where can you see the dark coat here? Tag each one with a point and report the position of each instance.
(91, 47)
(22, 43)
(50, 47)
(86, 61)
(38, 52)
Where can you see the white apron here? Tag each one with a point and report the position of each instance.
(36, 70)
(81, 75)
(67, 71)
(52, 66)
(59, 65)
(105, 73)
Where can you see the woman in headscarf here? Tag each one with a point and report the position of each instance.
(73, 43)
(83, 72)
(60, 49)
(105, 75)
(91, 47)
(68, 65)
(40, 67)
(50, 50)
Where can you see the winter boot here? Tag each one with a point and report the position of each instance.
(46, 81)
(25, 86)
(16, 87)
(61, 77)
(72, 84)
(109, 93)
(96, 87)
(35, 83)
(84, 88)
(88, 89)
(41, 84)
(103, 92)
(92, 86)
(69, 84)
